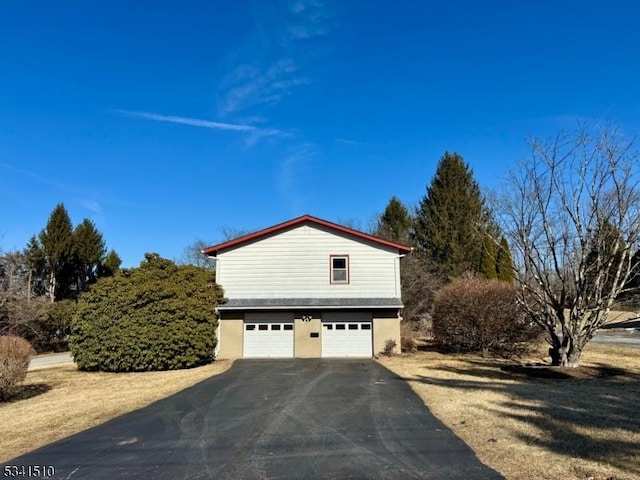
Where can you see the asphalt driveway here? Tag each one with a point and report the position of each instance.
(273, 419)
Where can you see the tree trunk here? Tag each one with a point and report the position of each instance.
(565, 351)
(52, 286)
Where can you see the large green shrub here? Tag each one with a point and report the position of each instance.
(14, 361)
(481, 315)
(159, 316)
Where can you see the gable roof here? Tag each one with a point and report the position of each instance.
(304, 219)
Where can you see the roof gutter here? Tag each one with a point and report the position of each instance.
(302, 307)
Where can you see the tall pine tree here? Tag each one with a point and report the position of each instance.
(110, 265)
(504, 263)
(395, 223)
(89, 251)
(451, 218)
(418, 278)
(36, 265)
(488, 259)
(57, 244)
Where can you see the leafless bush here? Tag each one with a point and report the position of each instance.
(14, 360)
(389, 348)
(482, 315)
(420, 281)
(407, 337)
(423, 327)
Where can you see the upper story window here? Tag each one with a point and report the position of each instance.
(339, 268)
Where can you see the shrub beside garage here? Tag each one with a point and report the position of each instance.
(159, 316)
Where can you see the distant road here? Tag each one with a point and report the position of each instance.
(624, 338)
(50, 359)
(635, 323)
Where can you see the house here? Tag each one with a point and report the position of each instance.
(307, 288)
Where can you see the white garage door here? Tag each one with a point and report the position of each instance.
(346, 339)
(268, 335)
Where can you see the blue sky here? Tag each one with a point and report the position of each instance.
(164, 122)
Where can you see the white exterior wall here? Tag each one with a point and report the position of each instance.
(295, 264)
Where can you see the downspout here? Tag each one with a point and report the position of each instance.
(399, 283)
(397, 275)
(216, 350)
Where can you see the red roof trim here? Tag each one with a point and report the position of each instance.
(213, 250)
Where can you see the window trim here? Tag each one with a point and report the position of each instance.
(348, 280)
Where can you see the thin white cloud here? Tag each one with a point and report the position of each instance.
(251, 86)
(290, 173)
(299, 6)
(347, 141)
(310, 19)
(277, 59)
(196, 122)
(303, 32)
(92, 205)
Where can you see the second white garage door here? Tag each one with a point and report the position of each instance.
(346, 335)
(268, 336)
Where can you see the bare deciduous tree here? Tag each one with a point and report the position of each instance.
(420, 281)
(19, 314)
(572, 213)
(192, 255)
(231, 233)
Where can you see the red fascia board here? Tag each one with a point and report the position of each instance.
(213, 250)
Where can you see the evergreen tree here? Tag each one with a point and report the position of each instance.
(36, 265)
(418, 278)
(57, 244)
(395, 223)
(504, 263)
(451, 218)
(89, 250)
(488, 258)
(632, 287)
(110, 265)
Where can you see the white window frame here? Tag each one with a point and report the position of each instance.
(333, 270)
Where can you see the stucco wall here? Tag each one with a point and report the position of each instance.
(386, 326)
(305, 346)
(230, 335)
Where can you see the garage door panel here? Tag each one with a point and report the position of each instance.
(346, 339)
(268, 340)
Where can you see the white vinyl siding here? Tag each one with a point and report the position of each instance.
(296, 264)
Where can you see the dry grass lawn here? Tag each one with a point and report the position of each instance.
(57, 401)
(537, 422)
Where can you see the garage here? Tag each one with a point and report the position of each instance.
(346, 335)
(268, 336)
